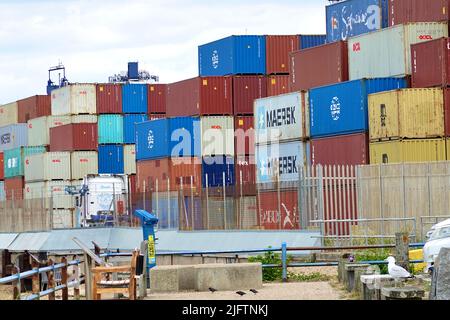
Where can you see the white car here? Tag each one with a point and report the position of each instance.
(439, 238)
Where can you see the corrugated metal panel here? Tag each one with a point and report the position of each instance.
(2, 168)
(9, 114)
(153, 175)
(129, 159)
(165, 207)
(183, 98)
(6, 239)
(424, 150)
(245, 175)
(282, 118)
(187, 173)
(279, 211)
(245, 90)
(277, 53)
(156, 116)
(110, 128)
(152, 141)
(350, 18)
(217, 136)
(74, 99)
(13, 136)
(318, 66)
(277, 85)
(109, 98)
(2, 190)
(110, 159)
(55, 189)
(39, 130)
(343, 108)
(14, 160)
(244, 135)
(185, 137)
(407, 113)
(341, 150)
(191, 217)
(63, 219)
(387, 53)
(233, 55)
(56, 121)
(33, 107)
(134, 98)
(213, 169)
(47, 166)
(14, 188)
(404, 11)
(84, 118)
(129, 131)
(74, 137)
(83, 163)
(247, 212)
(157, 98)
(311, 40)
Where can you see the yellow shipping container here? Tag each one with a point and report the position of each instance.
(407, 113)
(424, 150)
(8, 114)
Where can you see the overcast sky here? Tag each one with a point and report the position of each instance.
(96, 38)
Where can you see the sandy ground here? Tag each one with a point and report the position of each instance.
(328, 271)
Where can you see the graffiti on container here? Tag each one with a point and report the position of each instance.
(335, 108)
(286, 219)
(215, 59)
(351, 18)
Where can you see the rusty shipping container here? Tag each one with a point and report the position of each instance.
(157, 98)
(34, 107)
(109, 98)
(244, 135)
(74, 137)
(152, 175)
(277, 53)
(186, 172)
(245, 90)
(405, 11)
(278, 210)
(14, 188)
(245, 175)
(200, 96)
(277, 85)
(318, 66)
(350, 149)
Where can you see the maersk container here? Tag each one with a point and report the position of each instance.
(47, 166)
(13, 136)
(110, 129)
(14, 160)
(233, 55)
(83, 163)
(9, 114)
(110, 159)
(129, 155)
(311, 40)
(282, 118)
(343, 108)
(387, 52)
(214, 169)
(217, 136)
(350, 18)
(134, 98)
(129, 128)
(74, 99)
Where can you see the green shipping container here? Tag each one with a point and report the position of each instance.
(14, 158)
(110, 129)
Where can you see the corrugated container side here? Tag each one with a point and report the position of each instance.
(165, 206)
(74, 99)
(247, 213)
(13, 136)
(2, 191)
(129, 159)
(129, 126)
(245, 175)
(157, 98)
(277, 85)
(277, 53)
(156, 116)
(245, 90)
(183, 98)
(38, 132)
(214, 169)
(187, 173)
(244, 135)
(54, 189)
(407, 113)
(341, 150)
(110, 159)
(2, 168)
(184, 137)
(278, 211)
(63, 219)
(217, 136)
(423, 150)
(109, 98)
(216, 96)
(14, 188)
(9, 114)
(84, 118)
(318, 66)
(134, 98)
(152, 139)
(33, 107)
(153, 175)
(192, 217)
(14, 160)
(311, 40)
(74, 137)
(404, 11)
(110, 128)
(447, 112)
(47, 166)
(83, 163)
(56, 121)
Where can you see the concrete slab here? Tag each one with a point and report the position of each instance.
(172, 278)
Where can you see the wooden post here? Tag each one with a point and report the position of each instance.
(76, 289)
(88, 276)
(64, 277)
(402, 249)
(17, 288)
(51, 280)
(36, 288)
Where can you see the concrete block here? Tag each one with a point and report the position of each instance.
(404, 293)
(229, 277)
(372, 285)
(172, 278)
(349, 274)
(440, 284)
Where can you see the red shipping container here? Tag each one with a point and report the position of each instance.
(318, 66)
(200, 97)
(109, 98)
(245, 175)
(132, 184)
(244, 135)
(406, 11)
(74, 137)
(277, 85)
(33, 107)
(152, 175)
(186, 172)
(14, 188)
(157, 98)
(350, 149)
(278, 210)
(245, 90)
(2, 168)
(277, 53)
(430, 63)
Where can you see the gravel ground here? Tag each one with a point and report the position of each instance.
(5, 292)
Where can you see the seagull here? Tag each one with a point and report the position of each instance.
(254, 291)
(240, 293)
(396, 271)
(212, 290)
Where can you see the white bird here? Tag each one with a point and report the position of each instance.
(396, 271)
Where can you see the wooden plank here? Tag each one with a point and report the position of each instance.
(51, 280)
(111, 269)
(35, 283)
(64, 277)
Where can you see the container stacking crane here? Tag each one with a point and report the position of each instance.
(62, 81)
(133, 75)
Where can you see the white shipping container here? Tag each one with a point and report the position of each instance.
(129, 158)
(55, 189)
(83, 118)
(74, 99)
(9, 114)
(387, 52)
(83, 163)
(56, 121)
(282, 118)
(47, 166)
(217, 136)
(13, 136)
(63, 219)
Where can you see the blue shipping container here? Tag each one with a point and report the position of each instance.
(110, 129)
(110, 159)
(134, 98)
(192, 213)
(354, 17)
(309, 41)
(343, 108)
(185, 137)
(233, 55)
(129, 129)
(166, 209)
(215, 167)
